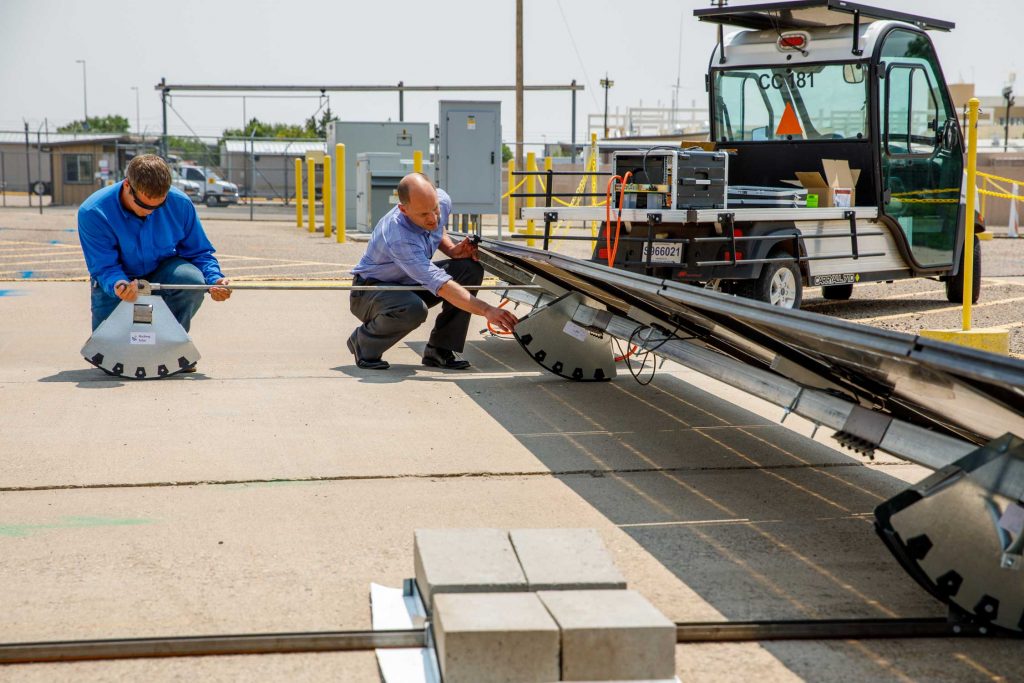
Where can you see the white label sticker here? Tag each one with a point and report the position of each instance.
(575, 331)
(143, 338)
(471, 122)
(841, 197)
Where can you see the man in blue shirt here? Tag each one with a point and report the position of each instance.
(144, 228)
(399, 253)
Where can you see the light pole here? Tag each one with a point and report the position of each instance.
(1008, 95)
(605, 83)
(138, 127)
(85, 101)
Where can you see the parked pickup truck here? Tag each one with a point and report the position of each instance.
(216, 191)
(193, 189)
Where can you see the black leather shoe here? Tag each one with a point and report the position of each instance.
(443, 358)
(366, 363)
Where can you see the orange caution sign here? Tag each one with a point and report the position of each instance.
(789, 125)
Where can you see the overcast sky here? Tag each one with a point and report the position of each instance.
(421, 43)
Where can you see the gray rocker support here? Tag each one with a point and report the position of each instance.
(559, 345)
(141, 340)
(960, 534)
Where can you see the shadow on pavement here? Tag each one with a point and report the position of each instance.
(762, 523)
(94, 378)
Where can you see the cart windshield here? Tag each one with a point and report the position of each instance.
(812, 102)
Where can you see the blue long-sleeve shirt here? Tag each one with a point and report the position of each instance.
(399, 251)
(118, 245)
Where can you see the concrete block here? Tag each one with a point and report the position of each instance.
(565, 559)
(465, 561)
(611, 635)
(495, 637)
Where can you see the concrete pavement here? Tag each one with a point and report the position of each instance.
(267, 491)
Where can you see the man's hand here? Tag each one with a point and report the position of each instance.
(221, 293)
(464, 249)
(500, 318)
(127, 291)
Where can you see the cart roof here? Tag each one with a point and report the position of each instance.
(804, 14)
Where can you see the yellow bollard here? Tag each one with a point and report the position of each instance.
(592, 167)
(327, 196)
(298, 192)
(311, 191)
(531, 189)
(339, 153)
(417, 161)
(993, 339)
(511, 201)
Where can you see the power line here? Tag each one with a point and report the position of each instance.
(577, 51)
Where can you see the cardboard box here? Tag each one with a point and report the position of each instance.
(837, 188)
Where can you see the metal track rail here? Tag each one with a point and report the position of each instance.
(349, 641)
(197, 646)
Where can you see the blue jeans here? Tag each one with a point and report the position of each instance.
(183, 303)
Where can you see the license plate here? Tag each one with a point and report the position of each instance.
(664, 252)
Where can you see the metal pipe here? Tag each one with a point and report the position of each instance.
(972, 160)
(298, 192)
(196, 646)
(821, 629)
(339, 158)
(573, 136)
(327, 195)
(311, 192)
(363, 88)
(157, 286)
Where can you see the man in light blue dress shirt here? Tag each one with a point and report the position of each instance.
(399, 253)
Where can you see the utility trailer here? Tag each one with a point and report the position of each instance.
(842, 102)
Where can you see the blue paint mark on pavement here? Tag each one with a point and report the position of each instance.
(27, 274)
(12, 292)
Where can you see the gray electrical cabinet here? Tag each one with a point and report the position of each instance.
(399, 137)
(377, 176)
(469, 155)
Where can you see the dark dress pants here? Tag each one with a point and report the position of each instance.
(389, 316)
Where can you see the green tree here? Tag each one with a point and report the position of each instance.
(506, 153)
(318, 128)
(191, 149)
(111, 123)
(270, 130)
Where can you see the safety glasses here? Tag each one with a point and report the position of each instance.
(141, 204)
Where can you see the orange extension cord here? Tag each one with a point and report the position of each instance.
(613, 249)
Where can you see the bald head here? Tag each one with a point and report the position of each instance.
(418, 201)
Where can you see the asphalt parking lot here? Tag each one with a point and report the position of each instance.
(265, 492)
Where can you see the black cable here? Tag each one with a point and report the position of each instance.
(647, 351)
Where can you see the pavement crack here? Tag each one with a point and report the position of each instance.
(592, 472)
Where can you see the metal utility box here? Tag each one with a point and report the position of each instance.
(377, 177)
(469, 155)
(399, 137)
(673, 178)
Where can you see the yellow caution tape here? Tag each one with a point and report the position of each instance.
(514, 188)
(1001, 195)
(946, 189)
(1004, 179)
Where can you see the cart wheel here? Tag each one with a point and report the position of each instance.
(837, 292)
(955, 283)
(780, 283)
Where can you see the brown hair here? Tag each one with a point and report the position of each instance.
(149, 174)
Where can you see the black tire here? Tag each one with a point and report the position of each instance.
(779, 284)
(955, 283)
(837, 292)
(211, 200)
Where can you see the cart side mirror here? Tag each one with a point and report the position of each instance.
(948, 134)
(853, 73)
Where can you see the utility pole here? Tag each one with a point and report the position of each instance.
(138, 127)
(85, 101)
(606, 84)
(1008, 95)
(519, 84)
